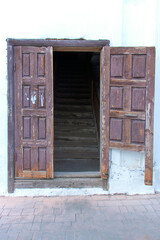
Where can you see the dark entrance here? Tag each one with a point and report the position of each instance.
(126, 109)
(76, 111)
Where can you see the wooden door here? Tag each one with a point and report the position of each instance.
(33, 94)
(127, 97)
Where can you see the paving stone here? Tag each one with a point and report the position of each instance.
(4, 236)
(26, 219)
(15, 212)
(70, 235)
(36, 227)
(13, 235)
(56, 236)
(25, 235)
(43, 211)
(17, 227)
(37, 219)
(48, 218)
(6, 211)
(51, 227)
(28, 211)
(65, 218)
(4, 228)
(78, 218)
(37, 235)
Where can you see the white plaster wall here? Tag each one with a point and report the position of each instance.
(124, 23)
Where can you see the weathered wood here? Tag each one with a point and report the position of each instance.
(60, 183)
(127, 114)
(11, 154)
(134, 79)
(123, 82)
(127, 146)
(64, 43)
(96, 106)
(34, 174)
(18, 107)
(77, 49)
(33, 114)
(104, 138)
(149, 115)
(78, 174)
(128, 50)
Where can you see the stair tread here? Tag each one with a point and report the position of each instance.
(76, 155)
(60, 143)
(75, 138)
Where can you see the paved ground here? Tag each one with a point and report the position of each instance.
(117, 217)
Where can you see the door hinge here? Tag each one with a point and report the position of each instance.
(14, 67)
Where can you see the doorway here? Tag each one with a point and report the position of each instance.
(76, 111)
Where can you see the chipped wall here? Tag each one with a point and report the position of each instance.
(124, 23)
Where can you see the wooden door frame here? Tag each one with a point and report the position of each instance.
(58, 45)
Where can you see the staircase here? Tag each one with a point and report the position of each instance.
(75, 138)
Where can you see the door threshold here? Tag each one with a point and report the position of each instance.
(93, 174)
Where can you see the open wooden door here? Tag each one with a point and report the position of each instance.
(33, 94)
(127, 97)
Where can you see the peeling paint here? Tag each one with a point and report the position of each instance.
(33, 98)
(42, 100)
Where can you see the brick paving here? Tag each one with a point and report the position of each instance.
(117, 217)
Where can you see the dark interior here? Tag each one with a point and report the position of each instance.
(76, 109)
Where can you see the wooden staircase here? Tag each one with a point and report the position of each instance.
(75, 137)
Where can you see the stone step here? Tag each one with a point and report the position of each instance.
(75, 138)
(73, 95)
(74, 122)
(73, 101)
(59, 155)
(73, 90)
(75, 131)
(65, 143)
(79, 149)
(77, 165)
(73, 115)
(74, 108)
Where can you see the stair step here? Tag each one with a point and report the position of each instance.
(73, 108)
(73, 95)
(73, 90)
(73, 101)
(68, 114)
(59, 155)
(76, 132)
(59, 143)
(73, 122)
(75, 128)
(72, 75)
(79, 149)
(81, 165)
(75, 138)
(72, 85)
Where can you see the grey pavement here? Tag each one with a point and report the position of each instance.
(117, 217)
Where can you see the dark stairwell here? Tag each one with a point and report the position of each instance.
(75, 138)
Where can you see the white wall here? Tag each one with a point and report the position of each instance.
(123, 22)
